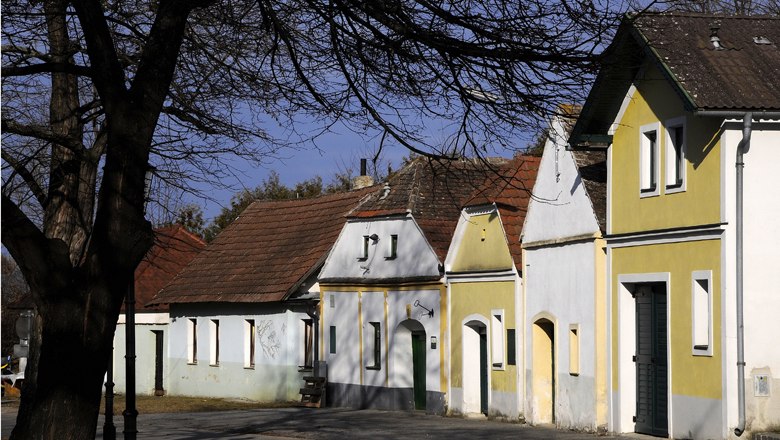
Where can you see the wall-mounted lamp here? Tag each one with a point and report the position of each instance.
(433, 342)
(374, 237)
(417, 304)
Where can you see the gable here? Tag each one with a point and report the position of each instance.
(415, 259)
(560, 207)
(480, 243)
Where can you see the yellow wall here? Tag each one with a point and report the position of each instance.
(476, 253)
(480, 298)
(655, 101)
(695, 376)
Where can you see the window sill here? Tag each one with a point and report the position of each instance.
(214, 365)
(648, 192)
(373, 367)
(192, 363)
(362, 258)
(251, 367)
(671, 189)
(305, 369)
(390, 258)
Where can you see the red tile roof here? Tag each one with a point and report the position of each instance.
(267, 253)
(174, 247)
(510, 189)
(434, 192)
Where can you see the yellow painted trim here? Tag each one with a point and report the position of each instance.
(442, 333)
(360, 334)
(600, 292)
(321, 348)
(387, 342)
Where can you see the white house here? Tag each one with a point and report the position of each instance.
(243, 314)
(565, 291)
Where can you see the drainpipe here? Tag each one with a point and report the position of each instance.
(742, 148)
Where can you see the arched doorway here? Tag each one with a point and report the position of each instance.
(475, 367)
(409, 360)
(543, 374)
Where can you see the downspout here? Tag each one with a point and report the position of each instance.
(742, 148)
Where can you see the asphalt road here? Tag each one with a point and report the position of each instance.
(321, 424)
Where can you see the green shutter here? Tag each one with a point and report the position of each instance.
(511, 348)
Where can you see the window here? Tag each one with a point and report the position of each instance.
(497, 338)
(249, 343)
(375, 345)
(648, 159)
(702, 312)
(675, 155)
(192, 341)
(392, 248)
(574, 349)
(307, 354)
(364, 248)
(214, 339)
(332, 339)
(511, 347)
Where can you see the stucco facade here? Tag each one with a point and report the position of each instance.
(565, 291)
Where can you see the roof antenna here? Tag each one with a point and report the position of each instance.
(714, 39)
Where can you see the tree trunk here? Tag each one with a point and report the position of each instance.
(72, 342)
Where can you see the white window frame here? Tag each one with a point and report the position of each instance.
(574, 349)
(306, 360)
(214, 342)
(192, 341)
(364, 246)
(249, 343)
(497, 346)
(649, 155)
(392, 247)
(701, 313)
(671, 126)
(374, 346)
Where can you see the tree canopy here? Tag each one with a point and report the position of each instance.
(98, 95)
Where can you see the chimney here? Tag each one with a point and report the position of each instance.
(363, 180)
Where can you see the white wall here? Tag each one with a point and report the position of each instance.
(762, 260)
(278, 346)
(415, 256)
(560, 207)
(145, 344)
(560, 284)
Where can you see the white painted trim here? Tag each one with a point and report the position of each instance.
(609, 190)
(146, 318)
(723, 160)
(478, 277)
(643, 161)
(696, 276)
(664, 237)
(626, 405)
(623, 107)
(497, 336)
(673, 123)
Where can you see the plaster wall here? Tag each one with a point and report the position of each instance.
(560, 207)
(279, 342)
(145, 346)
(761, 261)
(414, 256)
(560, 285)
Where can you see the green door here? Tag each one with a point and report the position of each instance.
(651, 361)
(483, 373)
(418, 367)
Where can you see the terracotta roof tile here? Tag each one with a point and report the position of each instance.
(433, 192)
(174, 247)
(510, 189)
(266, 253)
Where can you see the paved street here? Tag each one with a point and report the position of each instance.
(321, 424)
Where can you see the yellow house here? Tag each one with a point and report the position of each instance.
(484, 284)
(384, 300)
(681, 100)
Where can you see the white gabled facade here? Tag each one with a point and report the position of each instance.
(379, 340)
(564, 297)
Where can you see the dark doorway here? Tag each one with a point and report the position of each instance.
(651, 360)
(418, 366)
(483, 372)
(158, 363)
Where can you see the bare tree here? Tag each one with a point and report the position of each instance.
(97, 94)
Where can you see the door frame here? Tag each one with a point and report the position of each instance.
(543, 318)
(477, 324)
(624, 404)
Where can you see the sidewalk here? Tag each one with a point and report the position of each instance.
(324, 424)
